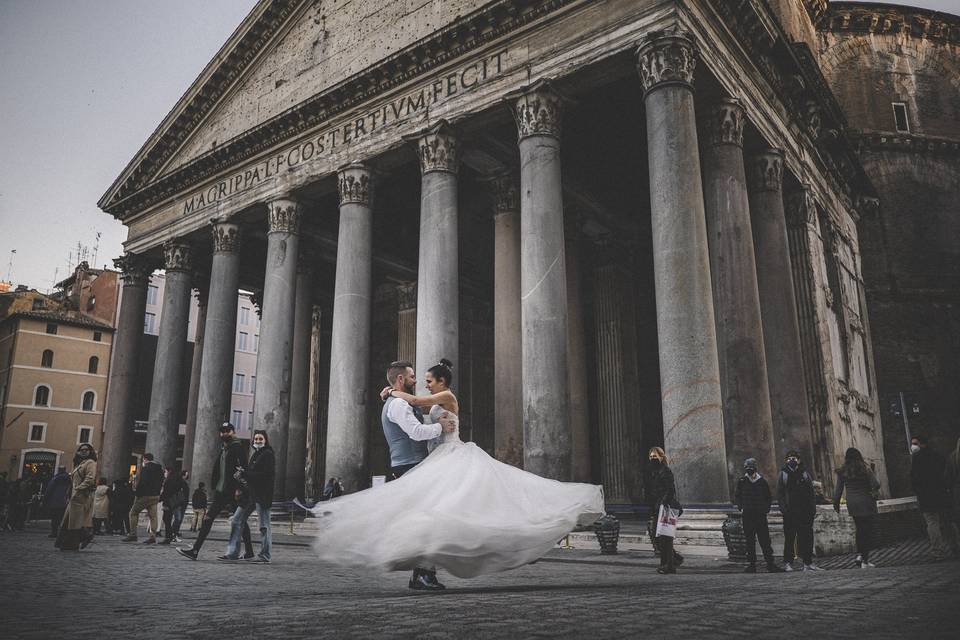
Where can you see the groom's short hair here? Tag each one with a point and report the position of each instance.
(397, 368)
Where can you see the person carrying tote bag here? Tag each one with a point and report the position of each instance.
(663, 497)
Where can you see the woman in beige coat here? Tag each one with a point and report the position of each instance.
(75, 531)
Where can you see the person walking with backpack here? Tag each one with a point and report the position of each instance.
(173, 497)
(752, 496)
(798, 504)
(861, 485)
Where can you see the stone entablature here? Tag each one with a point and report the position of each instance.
(885, 19)
(905, 142)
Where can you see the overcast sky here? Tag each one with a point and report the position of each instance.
(83, 83)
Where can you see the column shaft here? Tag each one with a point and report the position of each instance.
(166, 394)
(438, 291)
(189, 437)
(781, 330)
(271, 401)
(689, 371)
(346, 451)
(300, 382)
(543, 285)
(743, 364)
(407, 322)
(577, 363)
(118, 422)
(216, 373)
(315, 450)
(507, 386)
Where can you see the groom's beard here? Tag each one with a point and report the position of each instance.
(410, 388)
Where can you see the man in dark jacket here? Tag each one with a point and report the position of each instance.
(797, 500)
(257, 479)
(121, 499)
(231, 455)
(147, 492)
(173, 497)
(753, 498)
(55, 498)
(928, 477)
(199, 503)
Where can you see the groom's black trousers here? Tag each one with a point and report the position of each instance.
(395, 473)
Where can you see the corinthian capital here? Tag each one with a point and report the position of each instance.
(724, 122)
(537, 109)
(767, 170)
(438, 148)
(505, 194)
(801, 208)
(226, 236)
(177, 256)
(283, 216)
(355, 184)
(135, 269)
(667, 57)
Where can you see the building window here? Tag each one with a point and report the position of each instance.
(93, 365)
(236, 418)
(97, 336)
(83, 435)
(244, 315)
(242, 341)
(256, 342)
(46, 359)
(253, 384)
(51, 328)
(149, 322)
(91, 302)
(152, 291)
(89, 400)
(900, 117)
(41, 397)
(38, 432)
(39, 303)
(238, 382)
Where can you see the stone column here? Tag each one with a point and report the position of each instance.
(346, 455)
(300, 378)
(507, 361)
(118, 422)
(438, 290)
(618, 379)
(314, 461)
(193, 396)
(407, 321)
(219, 343)
(543, 284)
(271, 400)
(781, 330)
(743, 364)
(576, 358)
(165, 396)
(689, 371)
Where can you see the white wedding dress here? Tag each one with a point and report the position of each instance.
(458, 510)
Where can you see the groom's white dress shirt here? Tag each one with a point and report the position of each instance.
(401, 413)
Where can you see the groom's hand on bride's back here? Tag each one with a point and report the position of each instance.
(448, 423)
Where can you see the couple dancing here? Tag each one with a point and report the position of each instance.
(457, 508)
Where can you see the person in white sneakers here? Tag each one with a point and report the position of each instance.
(797, 501)
(861, 485)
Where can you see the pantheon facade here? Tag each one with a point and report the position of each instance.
(627, 222)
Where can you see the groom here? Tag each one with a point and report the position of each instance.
(407, 438)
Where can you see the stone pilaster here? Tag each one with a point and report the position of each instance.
(743, 362)
(300, 377)
(219, 342)
(271, 403)
(781, 331)
(347, 432)
(200, 281)
(547, 445)
(407, 321)
(507, 384)
(315, 450)
(166, 394)
(576, 356)
(438, 277)
(689, 370)
(117, 449)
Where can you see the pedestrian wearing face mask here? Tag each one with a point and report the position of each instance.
(928, 477)
(76, 529)
(224, 484)
(661, 490)
(753, 498)
(797, 500)
(258, 476)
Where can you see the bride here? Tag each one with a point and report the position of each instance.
(459, 509)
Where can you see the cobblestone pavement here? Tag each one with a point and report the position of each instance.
(114, 590)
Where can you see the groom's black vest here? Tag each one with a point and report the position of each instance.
(403, 450)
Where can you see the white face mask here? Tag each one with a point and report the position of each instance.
(914, 448)
(258, 445)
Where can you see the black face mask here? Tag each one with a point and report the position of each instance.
(793, 464)
(225, 437)
(655, 462)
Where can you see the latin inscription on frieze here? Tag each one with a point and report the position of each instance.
(334, 139)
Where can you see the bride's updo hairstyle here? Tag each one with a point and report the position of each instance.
(443, 370)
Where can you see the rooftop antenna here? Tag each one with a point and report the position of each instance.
(10, 264)
(96, 249)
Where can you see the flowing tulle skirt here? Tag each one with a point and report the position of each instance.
(458, 510)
